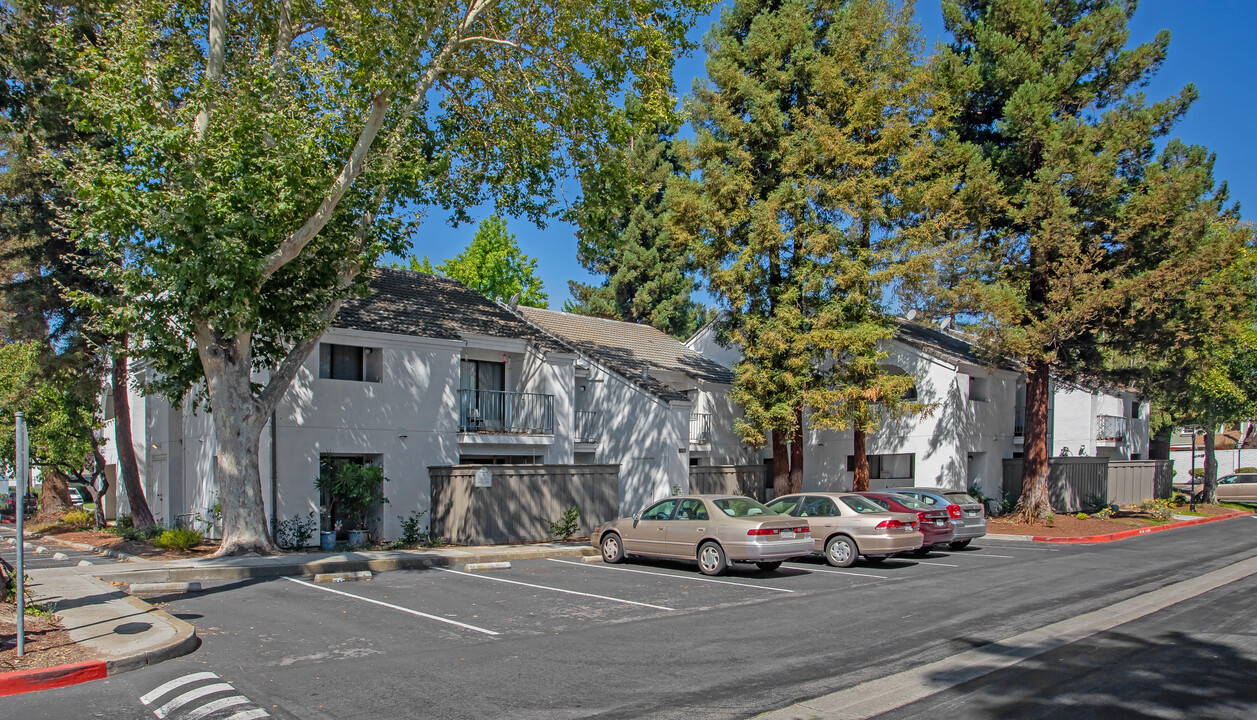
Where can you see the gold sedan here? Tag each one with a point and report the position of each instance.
(714, 530)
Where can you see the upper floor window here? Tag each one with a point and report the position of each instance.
(350, 362)
(979, 389)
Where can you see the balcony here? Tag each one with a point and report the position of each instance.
(700, 429)
(500, 411)
(1111, 428)
(586, 426)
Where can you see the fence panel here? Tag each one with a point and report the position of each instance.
(1133, 481)
(1071, 481)
(730, 479)
(521, 502)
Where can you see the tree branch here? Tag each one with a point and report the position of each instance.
(482, 38)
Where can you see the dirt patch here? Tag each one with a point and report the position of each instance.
(134, 547)
(46, 643)
(1071, 526)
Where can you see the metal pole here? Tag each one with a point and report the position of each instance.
(20, 473)
(1192, 499)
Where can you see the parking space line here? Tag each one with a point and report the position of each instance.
(395, 607)
(925, 562)
(980, 555)
(554, 589)
(675, 577)
(840, 572)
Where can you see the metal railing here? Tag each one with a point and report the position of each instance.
(1019, 422)
(1110, 427)
(586, 426)
(501, 411)
(700, 429)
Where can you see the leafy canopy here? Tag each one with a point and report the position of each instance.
(492, 265)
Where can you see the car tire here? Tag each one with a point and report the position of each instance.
(612, 548)
(959, 544)
(840, 551)
(711, 558)
(771, 565)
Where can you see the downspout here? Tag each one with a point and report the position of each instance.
(274, 486)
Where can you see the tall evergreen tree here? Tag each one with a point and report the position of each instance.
(1047, 96)
(625, 232)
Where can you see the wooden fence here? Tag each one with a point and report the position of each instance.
(731, 479)
(521, 501)
(1074, 481)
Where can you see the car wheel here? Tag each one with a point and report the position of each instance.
(612, 550)
(711, 559)
(959, 544)
(840, 551)
(768, 565)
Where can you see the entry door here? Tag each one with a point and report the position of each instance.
(649, 537)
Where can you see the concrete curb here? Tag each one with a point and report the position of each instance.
(184, 642)
(126, 557)
(1135, 532)
(317, 567)
(57, 676)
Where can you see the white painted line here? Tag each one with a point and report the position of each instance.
(210, 708)
(924, 562)
(176, 683)
(691, 578)
(395, 607)
(1019, 547)
(980, 555)
(191, 695)
(250, 714)
(558, 590)
(839, 572)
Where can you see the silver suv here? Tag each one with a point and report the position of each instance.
(967, 516)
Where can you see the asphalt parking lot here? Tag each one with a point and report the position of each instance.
(46, 559)
(563, 638)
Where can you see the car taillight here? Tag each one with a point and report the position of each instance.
(763, 531)
(921, 516)
(888, 524)
(954, 511)
(802, 529)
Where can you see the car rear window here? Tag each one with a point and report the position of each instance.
(784, 506)
(862, 504)
(912, 503)
(742, 507)
(960, 498)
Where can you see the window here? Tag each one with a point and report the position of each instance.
(350, 362)
(742, 507)
(692, 509)
(901, 466)
(979, 388)
(861, 505)
(659, 511)
(880, 503)
(1134, 409)
(818, 507)
(784, 506)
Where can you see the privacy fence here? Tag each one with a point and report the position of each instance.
(1074, 481)
(729, 479)
(517, 503)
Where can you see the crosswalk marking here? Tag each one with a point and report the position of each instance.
(215, 706)
(250, 714)
(164, 688)
(189, 696)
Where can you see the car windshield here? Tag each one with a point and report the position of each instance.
(960, 498)
(783, 506)
(911, 503)
(741, 507)
(862, 504)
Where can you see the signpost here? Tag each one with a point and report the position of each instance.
(20, 472)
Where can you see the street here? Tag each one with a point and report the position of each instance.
(565, 639)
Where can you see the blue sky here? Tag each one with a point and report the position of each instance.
(1211, 45)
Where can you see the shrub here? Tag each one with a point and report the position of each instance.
(1104, 513)
(355, 489)
(1049, 519)
(1179, 500)
(295, 532)
(181, 539)
(1007, 504)
(1159, 509)
(1081, 516)
(1096, 501)
(1241, 471)
(78, 519)
(124, 521)
(412, 529)
(567, 525)
(1199, 472)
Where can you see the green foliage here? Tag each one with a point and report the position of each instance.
(492, 265)
(567, 525)
(295, 532)
(1178, 500)
(130, 532)
(356, 490)
(1103, 513)
(1081, 516)
(78, 519)
(179, 539)
(1049, 519)
(1096, 501)
(60, 412)
(1197, 472)
(1159, 508)
(1243, 470)
(413, 533)
(124, 521)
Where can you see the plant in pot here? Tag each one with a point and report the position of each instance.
(354, 491)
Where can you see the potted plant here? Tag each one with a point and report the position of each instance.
(355, 491)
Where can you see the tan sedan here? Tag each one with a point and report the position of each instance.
(846, 526)
(714, 530)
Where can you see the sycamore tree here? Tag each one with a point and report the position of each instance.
(1090, 221)
(625, 230)
(813, 140)
(263, 155)
(493, 265)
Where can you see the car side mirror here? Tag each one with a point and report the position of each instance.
(637, 517)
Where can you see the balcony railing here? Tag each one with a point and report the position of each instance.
(700, 429)
(1019, 422)
(586, 426)
(1110, 427)
(500, 411)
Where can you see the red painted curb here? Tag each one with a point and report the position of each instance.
(24, 681)
(1110, 537)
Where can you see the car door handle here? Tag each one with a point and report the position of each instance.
(700, 530)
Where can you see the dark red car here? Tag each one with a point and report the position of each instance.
(935, 523)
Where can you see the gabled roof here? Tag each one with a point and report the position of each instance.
(402, 302)
(628, 348)
(945, 345)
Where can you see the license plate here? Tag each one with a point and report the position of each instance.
(940, 523)
(972, 513)
(787, 534)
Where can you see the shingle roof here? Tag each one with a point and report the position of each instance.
(420, 305)
(628, 348)
(944, 344)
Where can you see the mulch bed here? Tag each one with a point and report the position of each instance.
(1070, 526)
(46, 643)
(132, 547)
